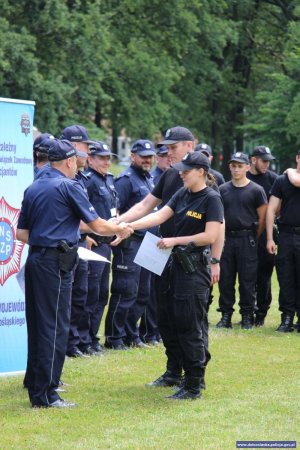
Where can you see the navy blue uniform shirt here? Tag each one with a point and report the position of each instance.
(52, 208)
(133, 185)
(102, 193)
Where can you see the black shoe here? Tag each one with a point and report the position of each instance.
(166, 380)
(247, 322)
(184, 394)
(116, 346)
(286, 325)
(259, 320)
(152, 342)
(89, 351)
(97, 347)
(225, 321)
(76, 353)
(138, 344)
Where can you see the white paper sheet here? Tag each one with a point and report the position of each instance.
(88, 255)
(150, 256)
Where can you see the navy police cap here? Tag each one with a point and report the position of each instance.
(143, 147)
(76, 133)
(62, 149)
(99, 148)
(42, 142)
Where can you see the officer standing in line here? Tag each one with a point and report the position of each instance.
(40, 151)
(245, 205)
(285, 197)
(103, 196)
(79, 339)
(259, 173)
(198, 214)
(49, 222)
(130, 287)
(179, 141)
(206, 149)
(148, 325)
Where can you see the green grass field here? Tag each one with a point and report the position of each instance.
(253, 386)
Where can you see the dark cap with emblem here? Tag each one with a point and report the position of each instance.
(177, 134)
(99, 149)
(61, 149)
(195, 160)
(162, 150)
(204, 148)
(76, 133)
(239, 157)
(143, 147)
(42, 142)
(263, 152)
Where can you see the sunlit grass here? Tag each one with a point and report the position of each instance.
(252, 393)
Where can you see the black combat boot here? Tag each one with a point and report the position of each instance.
(225, 321)
(286, 325)
(247, 321)
(190, 390)
(168, 379)
(259, 320)
(202, 382)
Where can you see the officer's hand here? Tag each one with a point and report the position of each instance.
(271, 246)
(114, 220)
(90, 242)
(124, 231)
(166, 243)
(214, 273)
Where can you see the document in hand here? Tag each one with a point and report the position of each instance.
(150, 256)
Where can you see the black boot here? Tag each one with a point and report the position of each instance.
(202, 383)
(190, 390)
(286, 325)
(259, 320)
(168, 379)
(247, 321)
(225, 321)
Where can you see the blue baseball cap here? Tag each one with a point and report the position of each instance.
(76, 133)
(61, 149)
(42, 142)
(162, 150)
(143, 147)
(99, 148)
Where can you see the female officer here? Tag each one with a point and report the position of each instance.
(198, 214)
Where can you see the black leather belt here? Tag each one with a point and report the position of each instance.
(237, 233)
(44, 250)
(288, 229)
(102, 239)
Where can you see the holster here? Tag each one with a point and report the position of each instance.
(67, 257)
(189, 259)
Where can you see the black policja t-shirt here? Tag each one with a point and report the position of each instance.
(192, 210)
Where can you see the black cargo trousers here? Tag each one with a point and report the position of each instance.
(182, 317)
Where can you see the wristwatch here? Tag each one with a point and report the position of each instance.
(214, 260)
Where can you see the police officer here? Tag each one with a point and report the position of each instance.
(206, 149)
(130, 287)
(162, 163)
(198, 213)
(79, 342)
(259, 173)
(49, 222)
(179, 141)
(245, 205)
(40, 151)
(286, 197)
(103, 196)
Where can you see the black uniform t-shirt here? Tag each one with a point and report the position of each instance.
(265, 180)
(192, 210)
(290, 196)
(241, 203)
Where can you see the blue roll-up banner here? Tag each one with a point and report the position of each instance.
(16, 173)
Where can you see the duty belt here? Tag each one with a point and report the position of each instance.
(102, 239)
(238, 233)
(44, 250)
(288, 229)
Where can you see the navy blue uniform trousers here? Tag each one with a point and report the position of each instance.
(48, 299)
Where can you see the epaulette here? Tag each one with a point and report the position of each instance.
(84, 175)
(126, 173)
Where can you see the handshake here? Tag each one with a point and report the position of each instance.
(123, 231)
